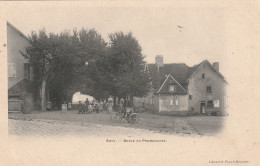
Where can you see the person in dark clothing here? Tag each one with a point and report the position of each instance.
(80, 108)
(87, 102)
(128, 106)
(86, 105)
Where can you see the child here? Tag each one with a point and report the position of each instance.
(90, 108)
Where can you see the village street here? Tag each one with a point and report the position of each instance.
(58, 123)
(54, 128)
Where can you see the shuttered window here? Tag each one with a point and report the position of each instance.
(11, 70)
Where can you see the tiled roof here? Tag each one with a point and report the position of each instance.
(178, 89)
(179, 71)
(20, 87)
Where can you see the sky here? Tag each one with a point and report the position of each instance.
(181, 35)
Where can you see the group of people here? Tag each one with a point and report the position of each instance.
(125, 105)
(90, 107)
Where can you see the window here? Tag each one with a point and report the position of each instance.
(203, 75)
(190, 97)
(209, 89)
(176, 100)
(210, 104)
(27, 71)
(171, 100)
(171, 88)
(11, 70)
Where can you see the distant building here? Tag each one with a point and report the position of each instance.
(179, 89)
(19, 71)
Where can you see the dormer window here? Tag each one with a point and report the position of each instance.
(171, 88)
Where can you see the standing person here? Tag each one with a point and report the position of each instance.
(96, 106)
(80, 107)
(125, 104)
(69, 106)
(87, 104)
(110, 106)
(100, 106)
(121, 103)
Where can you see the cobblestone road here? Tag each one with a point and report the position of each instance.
(54, 128)
(51, 128)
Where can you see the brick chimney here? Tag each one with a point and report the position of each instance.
(159, 60)
(158, 63)
(216, 66)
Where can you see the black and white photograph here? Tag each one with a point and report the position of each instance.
(136, 75)
(160, 76)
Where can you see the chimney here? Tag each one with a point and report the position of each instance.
(159, 60)
(216, 66)
(158, 63)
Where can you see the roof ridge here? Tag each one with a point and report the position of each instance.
(17, 30)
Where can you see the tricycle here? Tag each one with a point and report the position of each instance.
(130, 114)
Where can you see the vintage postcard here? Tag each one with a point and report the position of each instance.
(129, 83)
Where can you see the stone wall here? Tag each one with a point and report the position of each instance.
(197, 89)
(170, 103)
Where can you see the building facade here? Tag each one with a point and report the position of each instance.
(207, 89)
(180, 89)
(19, 71)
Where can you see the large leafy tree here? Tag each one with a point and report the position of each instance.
(92, 79)
(127, 66)
(65, 63)
(43, 57)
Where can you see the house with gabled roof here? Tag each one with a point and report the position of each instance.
(180, 89)
(19, 71)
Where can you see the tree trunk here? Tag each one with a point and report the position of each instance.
(119, 98)
(43, 95)
(114, 101)
(132, 98)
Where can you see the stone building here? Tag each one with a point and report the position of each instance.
(19, 71)
(180, 89)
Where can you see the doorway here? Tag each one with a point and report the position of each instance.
(202, 107)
